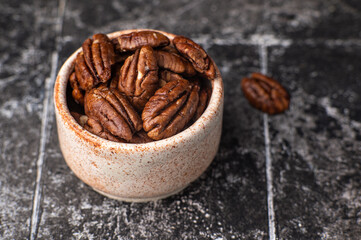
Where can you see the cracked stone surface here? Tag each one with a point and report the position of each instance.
(312, 47)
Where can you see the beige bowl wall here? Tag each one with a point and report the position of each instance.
(138, 172)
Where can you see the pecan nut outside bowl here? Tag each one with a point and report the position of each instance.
(138, 172)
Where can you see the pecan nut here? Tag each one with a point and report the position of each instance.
(204, 96)
(93, 64)
(83, 75)
(169, 49)
(135, 40)
(113, 111)
(99, 56)
(113, 82)
(166, 76)
(196, 55)
(170, 109)
(96, 128)
(265, 94)
(77, 93)
(174, 63)
(139, 77)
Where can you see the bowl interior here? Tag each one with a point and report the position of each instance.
(61, 105)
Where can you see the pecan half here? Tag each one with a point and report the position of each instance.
(139, 77)
(113, 82)
(170, 109)
(93, 64)
(96, 128)
(135, 40)
(174, 63)
(169, 76)
(169, 49)
(83, 74)
(166, 76)
(77, 93)
(113, 111)
(204, 96)
(99, 56)
(196, 55)
(265, 93)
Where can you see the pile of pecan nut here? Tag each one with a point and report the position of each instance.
(140, 87)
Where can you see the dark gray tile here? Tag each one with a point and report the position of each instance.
(241, 122)
(315, 146)
(186, 17)
(326, 72)
(193, 18)
(308, 19)
(26, 41)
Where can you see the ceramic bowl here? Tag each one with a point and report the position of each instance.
(138, 172)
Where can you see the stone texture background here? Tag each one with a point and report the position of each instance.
(312, 176)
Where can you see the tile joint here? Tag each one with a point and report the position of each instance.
(269, 176)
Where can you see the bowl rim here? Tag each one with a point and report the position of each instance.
(199, 125)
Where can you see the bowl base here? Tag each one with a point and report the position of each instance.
(139, 200)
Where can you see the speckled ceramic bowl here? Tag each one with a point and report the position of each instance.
(138, 172)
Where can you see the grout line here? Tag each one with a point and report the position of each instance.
(271, 212)
(269, 177)
(40, 161)
(263, 58)
(272, 40)
(45, 122)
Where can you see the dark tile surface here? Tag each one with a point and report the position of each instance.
(313, 48)
(315, 145)
(26, 41)
(334, 19)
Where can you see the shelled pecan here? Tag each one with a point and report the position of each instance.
(169, 49)
(265, 93)
(93, 64)
(135, 40)
(174, 63)
(84, 77)
(77, 93)
(113, 111)
(204, 95)
(195, 54)
(166, 76)
(99, 56)
(138, 78)
(170, 109)
(97, 128)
